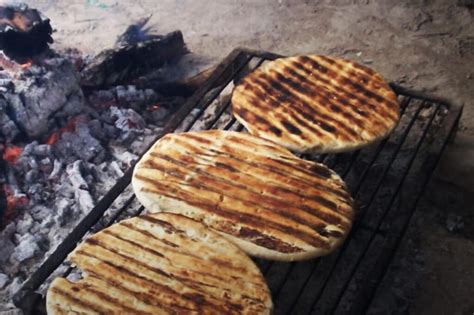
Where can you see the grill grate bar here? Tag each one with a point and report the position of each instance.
(320, 284)
(363, 299)
(379, 149)
(318, 280)
(353, 159)
(25, 298)
(324, 277)
(327, 297)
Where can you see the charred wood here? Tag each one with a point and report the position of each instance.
(120, 65)
(24, 32)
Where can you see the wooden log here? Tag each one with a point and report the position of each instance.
(119, 65)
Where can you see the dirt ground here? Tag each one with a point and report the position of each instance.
(424, 45)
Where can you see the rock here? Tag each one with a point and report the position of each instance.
(3, 280)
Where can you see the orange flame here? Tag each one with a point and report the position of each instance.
(11, 153)
(70, 127)
(13, 201)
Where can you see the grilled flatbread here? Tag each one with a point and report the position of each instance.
(160, 264)
(259, 195)
(316, 104)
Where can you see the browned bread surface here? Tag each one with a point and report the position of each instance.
(257, 194)
(316, 104)
(160, 264)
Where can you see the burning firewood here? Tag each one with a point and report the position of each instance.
(24, 32)
(120, 65)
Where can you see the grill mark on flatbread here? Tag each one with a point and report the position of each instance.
(317, 172)
(286, 110)
(145, 297)
(336, 100)
(282, 213)
(314, 171)
(267, 241)
(306, 84)
(153, 283)
(298, 92)
(132, 242)
(106, 297)
(324, 121)
(195, 285)
(121, 277)
(260, 195)
(319, 78)
(350, 81)
(91, 306)
(272, 200)
(355, 103)
(248, 219)
(175, 246)
(259, 120)
(148, 234)
(307, 112)
(343, 95)
(131, 227)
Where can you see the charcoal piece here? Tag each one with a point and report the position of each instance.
(79, 145)
(8, 129)
(129, 122)
(81, 188)
(183, 88)
(27, 248)
(42, 150)
(24, 32)
(120, 65)
(4, 279)
(96, 130)
(34, 103)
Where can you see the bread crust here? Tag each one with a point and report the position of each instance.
(257, 194)
(316, 104)
(160, 264)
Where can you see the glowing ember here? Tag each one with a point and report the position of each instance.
(26, 64)
(153, 107)
(13, 201)
(70, 127)
(11, 153)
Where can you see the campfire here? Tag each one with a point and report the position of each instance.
(70, 126)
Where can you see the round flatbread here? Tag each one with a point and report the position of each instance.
(316, 104)
(160, 264)
(259, 195)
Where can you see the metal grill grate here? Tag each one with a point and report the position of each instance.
(386, 179)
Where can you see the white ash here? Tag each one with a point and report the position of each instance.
(36, 97)
(3, 280)
(99, 137)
